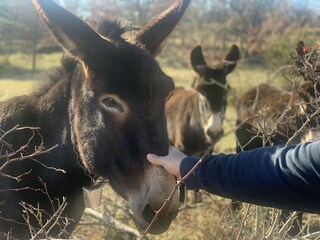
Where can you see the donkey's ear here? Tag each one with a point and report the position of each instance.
(74, 35)
(197, 60)
(201, 69)
(230, 60)
(153, 34)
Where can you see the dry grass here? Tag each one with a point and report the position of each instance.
(213, 218)
(12, 87)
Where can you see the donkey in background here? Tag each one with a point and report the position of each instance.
(275, 113)
(267, 115)
(195, 115)
(105, 110)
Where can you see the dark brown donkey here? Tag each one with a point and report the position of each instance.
(195, 115)
(267, 115)
(105, 110)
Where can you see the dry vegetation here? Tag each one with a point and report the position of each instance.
(211, 219)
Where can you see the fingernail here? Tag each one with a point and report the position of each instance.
(151, 156)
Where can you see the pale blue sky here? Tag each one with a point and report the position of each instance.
(309, 3)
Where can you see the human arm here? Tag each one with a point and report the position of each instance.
(282, 177)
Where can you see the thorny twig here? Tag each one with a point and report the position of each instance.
(9, 155)
(274, 225)
(314, 235)
(243, 221)
(30, 156)
(111, 222)
(287, 224)
(310, 118)
(38, 214)
(21, 154)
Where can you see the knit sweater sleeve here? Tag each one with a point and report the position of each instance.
(281, 177)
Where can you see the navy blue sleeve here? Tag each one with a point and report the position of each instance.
(281, 177)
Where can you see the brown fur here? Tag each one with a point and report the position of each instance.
(276, 113)
(189, 109)
(105, 111)
(267, 106)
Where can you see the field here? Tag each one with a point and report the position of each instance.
(211, 219)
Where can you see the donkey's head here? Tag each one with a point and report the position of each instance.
(212, 83)
(118, 92)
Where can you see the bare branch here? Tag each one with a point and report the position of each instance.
(111, 222)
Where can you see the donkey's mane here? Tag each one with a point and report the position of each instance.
(112, 29)
(67, 66)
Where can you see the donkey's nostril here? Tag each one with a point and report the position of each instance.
(215, 134)
(148, 214)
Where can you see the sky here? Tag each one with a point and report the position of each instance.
(310, 3)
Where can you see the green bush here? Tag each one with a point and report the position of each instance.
(281, 47)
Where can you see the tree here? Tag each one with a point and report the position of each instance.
(21, 30)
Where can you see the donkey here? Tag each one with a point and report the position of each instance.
(195, 115)
(277, 113)
(267, 115)
(105, 111)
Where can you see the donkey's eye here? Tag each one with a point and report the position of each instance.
(110, 103)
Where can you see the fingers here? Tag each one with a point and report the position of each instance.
(154, 159)
(170, 163)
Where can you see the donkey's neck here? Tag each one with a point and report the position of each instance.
(60, 171)
(54, 106)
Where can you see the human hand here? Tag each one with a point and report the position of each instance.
(171, 162)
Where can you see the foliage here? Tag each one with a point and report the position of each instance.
(256, 26)
(281, 46)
